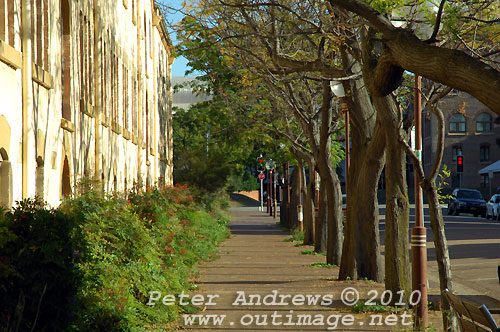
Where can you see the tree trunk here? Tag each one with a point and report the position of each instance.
(322, 235)
(334, 210)
(441, 246)
(284, 221)
(308, 190)
(294, 198)
(397, 214)
(331, 181)
(361, 257)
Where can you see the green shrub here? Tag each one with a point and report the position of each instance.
(39, 275)
(99, 256)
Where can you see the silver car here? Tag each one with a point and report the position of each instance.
(492, 207)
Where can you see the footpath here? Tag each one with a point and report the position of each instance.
(262, 283)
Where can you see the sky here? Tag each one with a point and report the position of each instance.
(179, 66)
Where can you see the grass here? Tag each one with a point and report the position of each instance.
(322, 264)
(363, 307)
(297, 236)
(311, 252)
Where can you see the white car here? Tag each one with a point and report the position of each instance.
(492, 207)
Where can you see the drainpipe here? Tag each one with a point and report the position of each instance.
(26, 90)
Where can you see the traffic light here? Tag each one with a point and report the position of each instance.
(260, 164)
(460, 164)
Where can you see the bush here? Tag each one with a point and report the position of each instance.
(99, 257)
(39, 276)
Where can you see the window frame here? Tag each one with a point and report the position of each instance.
(456, 124)
(487, 125)
(482, 157)
(482, 183)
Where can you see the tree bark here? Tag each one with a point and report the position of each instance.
(450, 67)
(284, 198)
(334, 210)
(437, 223)
(294, 198)
(397, 214)
(308, 190)
(322, 236)
(361, 256)
(440, 244)
(331, 181)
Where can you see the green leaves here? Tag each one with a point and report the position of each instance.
(92, 262)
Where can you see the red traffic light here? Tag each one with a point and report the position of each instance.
(460, 164)
(261, 160)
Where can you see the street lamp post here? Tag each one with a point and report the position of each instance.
(338, 90)
(287, 189)
(300, 214)
(268, 186)
(270, 168)
(316, 208)
(274, 193)
(419, 233)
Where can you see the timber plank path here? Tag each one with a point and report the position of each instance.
(257, 261)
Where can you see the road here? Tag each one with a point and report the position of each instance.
(474, 246)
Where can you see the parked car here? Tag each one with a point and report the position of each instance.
(467, 201)
(492, 207)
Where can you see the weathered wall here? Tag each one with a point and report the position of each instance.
(95, 96)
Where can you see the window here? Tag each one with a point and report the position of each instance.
(134, 107)
(86, 59)
(457, 123)
(125, 96)
(484, 153)
(485, 181)
(483, 123)
(7, 21)
(66, 60)
(456, 151)
(39, 32)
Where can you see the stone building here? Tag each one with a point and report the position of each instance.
(85, 92)
(471, 130)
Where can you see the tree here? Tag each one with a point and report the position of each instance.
(404, 50)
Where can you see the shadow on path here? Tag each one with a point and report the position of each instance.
(243, 200)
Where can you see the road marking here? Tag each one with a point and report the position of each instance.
(484, 279)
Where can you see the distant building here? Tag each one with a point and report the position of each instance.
(184, 96)
(85, 92)
(471, 130)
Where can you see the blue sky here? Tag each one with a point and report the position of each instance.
(179, 66)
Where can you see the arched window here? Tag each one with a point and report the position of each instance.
(457, 123)
(483, 123)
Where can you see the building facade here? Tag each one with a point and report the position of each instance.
(85, 91)
(471, 130)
